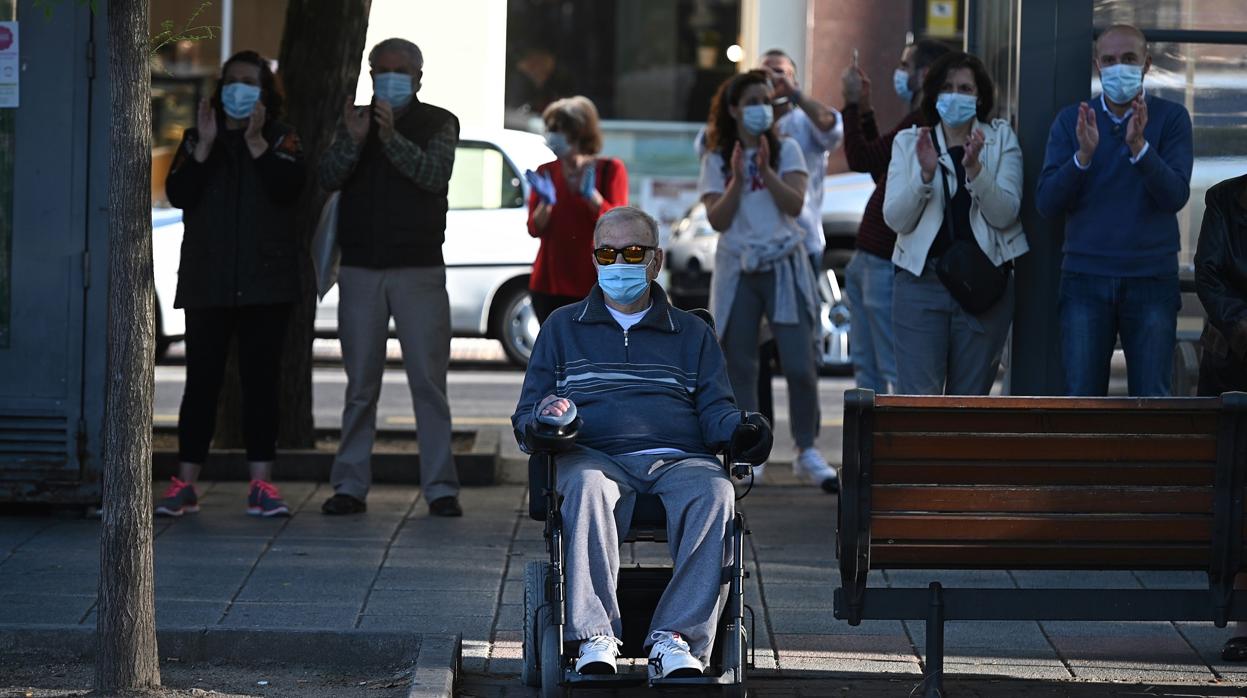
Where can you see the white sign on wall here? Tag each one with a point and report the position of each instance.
(9, 68)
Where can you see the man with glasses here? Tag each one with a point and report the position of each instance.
(650, 384)
(1119, 170)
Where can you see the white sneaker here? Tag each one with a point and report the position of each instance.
(811, 467)
(597, 655)
(670, 658)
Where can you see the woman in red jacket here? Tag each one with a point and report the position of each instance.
(568, 195)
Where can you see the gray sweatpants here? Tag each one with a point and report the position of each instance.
(599, 493)
(416, 297)
(755, 299)
(940, 348)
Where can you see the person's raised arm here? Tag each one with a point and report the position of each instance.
(722, 199)
(788, 189)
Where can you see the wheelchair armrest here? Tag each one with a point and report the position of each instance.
(547, 438)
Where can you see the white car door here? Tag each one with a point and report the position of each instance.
(488, 250)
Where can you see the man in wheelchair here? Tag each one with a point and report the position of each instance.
(649, 383)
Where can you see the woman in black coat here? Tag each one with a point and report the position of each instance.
(236, 177)
(1221, 282)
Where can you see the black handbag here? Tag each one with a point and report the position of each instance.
(965, 269)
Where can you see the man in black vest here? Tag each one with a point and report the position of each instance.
(392, 161)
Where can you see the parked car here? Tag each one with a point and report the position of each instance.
(488, 251)
(690, 262)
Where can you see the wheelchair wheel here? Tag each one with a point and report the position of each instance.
(736, 657)
(551, 662)
(536, 618)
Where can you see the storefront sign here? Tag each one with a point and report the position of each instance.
(942, 18)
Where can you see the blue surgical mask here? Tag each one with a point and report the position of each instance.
(623, 283)
(1121, 82)
(900, 83)
(956, 109)
(238, 99)
(558, 143)
(394, 88)
(757, 118)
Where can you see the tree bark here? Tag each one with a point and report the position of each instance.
(321, 47)
(126, 629)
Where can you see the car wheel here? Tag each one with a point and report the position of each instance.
(515, 324)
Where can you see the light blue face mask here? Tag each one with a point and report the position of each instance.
(394, 88)
(900, 83)
(557, 142)
(1121, 82)
(956, 109)
(238, 99)
(623, 283)
(757, 118)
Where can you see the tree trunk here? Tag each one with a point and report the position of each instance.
(321, 48)
(126, 629)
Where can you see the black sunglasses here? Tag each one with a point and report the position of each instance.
(632, 254)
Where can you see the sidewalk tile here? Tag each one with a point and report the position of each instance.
(328, 616)
(467, 603)
(30, 608)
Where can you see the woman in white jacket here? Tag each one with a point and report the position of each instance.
(956, 183)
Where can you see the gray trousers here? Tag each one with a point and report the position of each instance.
(599, 492)
(940, 348)
(755, 299)
(416, 298)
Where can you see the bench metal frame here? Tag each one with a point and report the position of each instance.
(854, 601)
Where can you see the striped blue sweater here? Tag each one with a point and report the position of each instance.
(661, 384)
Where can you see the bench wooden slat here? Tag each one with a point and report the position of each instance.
(1029, 422)
(1054, 528)
(1106, 404)
(1023, 556)
(1143, 500)
(1177, 473)
(1030, 447)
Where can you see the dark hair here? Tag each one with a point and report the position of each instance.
(270, 91)
(924, 52)
(577, 119)
(780, 53)
(938, 73)
(721, 127)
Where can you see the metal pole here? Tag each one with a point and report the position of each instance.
(227, 29)
(934, 678)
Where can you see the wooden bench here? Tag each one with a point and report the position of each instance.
(987, 483)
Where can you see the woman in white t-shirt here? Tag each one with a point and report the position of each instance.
(753, 186)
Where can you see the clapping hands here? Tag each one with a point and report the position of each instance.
(542, 185)
(928, 159)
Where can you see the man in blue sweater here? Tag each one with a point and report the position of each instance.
(650, 385)
(1119, 170)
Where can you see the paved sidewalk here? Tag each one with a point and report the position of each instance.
(396, 568)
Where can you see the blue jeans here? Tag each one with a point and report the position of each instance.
(1095, 309)
(868, 286)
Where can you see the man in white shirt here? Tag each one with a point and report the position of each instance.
(818, 129)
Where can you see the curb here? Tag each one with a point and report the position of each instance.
(435, 659)
(478, 466)
(437, 668)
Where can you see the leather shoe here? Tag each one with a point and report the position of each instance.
(445, 506)
(341, 504)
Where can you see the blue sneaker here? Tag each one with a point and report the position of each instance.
(265, 500)
(179, 499)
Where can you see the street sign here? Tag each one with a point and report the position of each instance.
(10, 69)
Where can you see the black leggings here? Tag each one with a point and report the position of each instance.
(546, 303)
(260, 330)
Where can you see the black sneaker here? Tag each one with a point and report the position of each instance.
(445, 506)
(341, 504)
